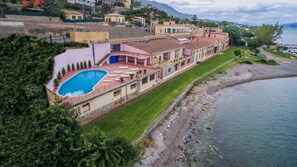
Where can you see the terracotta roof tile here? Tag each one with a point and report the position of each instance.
(200, 43)
(157, 45)
(72, 12)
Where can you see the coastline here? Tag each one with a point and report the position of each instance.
(173, 135)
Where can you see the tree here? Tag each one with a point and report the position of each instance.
(53, 136)
(81, 65)
(59, 75)
(31, 132)
(234, 35)
(103, 151)
(90, 64)
(73, 68)
(53, 7)
(237, 52)
(63, 71)
(268, 34)
(68, 68)
(77, 66)
(85, 65)
(56, 82)
(194, 18)
(254, 43)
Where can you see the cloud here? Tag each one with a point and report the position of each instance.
(243, 11)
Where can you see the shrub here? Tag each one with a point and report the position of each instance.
(63, 71)
(77, 66)
(144, 71)
(90, 64)
(59, 75)
(56, 82)
(131, 76)
(246, 62)
(68, 68)
(85, 65)
(81, 65)
(73, 68)
(237, 52)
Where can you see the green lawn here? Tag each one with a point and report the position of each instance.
(130, 120)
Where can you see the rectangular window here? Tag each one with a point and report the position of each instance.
(189, 60)
(177, 53)
(183, 63)
(79, 17)
(133, 86)
(117, 93)
(73, 17)
(85, 107)
(144, 80)
(152, 77)
(115, 47)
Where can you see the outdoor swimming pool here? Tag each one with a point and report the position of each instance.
(81, 83)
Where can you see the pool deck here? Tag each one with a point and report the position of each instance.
(111, 80)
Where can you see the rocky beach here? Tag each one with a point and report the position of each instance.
(175, 139)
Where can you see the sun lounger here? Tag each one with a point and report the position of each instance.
(130, 73)
(125, 76)
(123, 67)
(112, 75)
(107, 81)
(118, 72)
(134, 69)
(117, 79)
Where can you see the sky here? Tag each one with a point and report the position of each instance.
(252, 12)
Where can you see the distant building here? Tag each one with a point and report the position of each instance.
(89, 37)
(169, 27)
(73, 15)
(152, 25)
(35, 3)
(127, 3)
(83, 2)
(114, 17)
(140, 20)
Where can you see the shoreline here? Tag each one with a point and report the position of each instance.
(172, 135)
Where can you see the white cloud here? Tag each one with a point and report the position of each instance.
(242, 11)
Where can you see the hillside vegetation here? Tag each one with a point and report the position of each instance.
(35, 134)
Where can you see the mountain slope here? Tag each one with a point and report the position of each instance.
(168, 9)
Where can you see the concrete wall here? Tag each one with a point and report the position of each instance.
(149, 83)
(89, 37)
(168, 71)
(34, 18)
(106, 99)
(78, 55)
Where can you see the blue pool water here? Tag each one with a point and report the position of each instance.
(81, 83)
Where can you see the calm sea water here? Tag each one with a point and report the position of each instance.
(289, 36)
(255, 125)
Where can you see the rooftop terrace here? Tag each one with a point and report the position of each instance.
(113, 79)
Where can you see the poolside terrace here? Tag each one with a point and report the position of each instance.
(117, 74)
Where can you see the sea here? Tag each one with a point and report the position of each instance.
(252, 125)
(289, 36)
